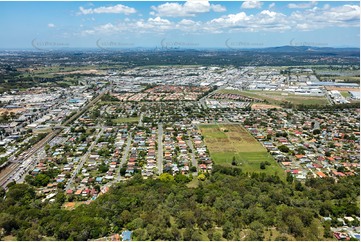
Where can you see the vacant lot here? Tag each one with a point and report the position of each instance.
(126, 120)
(226, 141)
(276, 97)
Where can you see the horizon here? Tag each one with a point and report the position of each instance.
(160, 48)
(179, 25)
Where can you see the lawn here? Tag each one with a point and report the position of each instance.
(194, 183)
(276, 97)
(226, 141)
(126, 120)
(345, 94)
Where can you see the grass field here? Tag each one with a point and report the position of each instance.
(126, 120)
(239, 143)
(345, 94)
(276, 98)
(50, 72)
(194, 183)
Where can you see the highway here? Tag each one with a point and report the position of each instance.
(160, 148)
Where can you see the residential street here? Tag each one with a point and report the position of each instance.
(83, 159)
(160, 148)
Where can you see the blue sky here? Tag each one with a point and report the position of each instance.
(191, 24)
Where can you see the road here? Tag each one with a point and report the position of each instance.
(328, 97)
(202, 101)
(140, 124)
(83, 160)
(160, 148)
(193, 157)
(125, 154)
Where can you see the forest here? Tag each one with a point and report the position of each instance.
(227, 205)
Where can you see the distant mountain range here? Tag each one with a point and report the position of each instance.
(295, 48)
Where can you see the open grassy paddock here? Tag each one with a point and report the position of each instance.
(126, 120)
(276, 97)
(226, 141)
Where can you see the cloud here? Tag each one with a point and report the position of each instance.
(302, 5)
(119, 8)
(265, 20)
(188, 9)
(317, 18)
(272, 5)
(251, 4)
(218, 8)
(150, 25)
(51, 25)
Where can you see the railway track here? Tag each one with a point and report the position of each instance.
(7, 173)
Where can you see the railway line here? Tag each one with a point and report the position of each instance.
(6, 174)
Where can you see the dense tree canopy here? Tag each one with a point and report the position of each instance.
(227, 205)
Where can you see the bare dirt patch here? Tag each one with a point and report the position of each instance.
(343, 88)
(258, 106)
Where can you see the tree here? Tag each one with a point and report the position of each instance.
(227, 230)
(103, 168)
(289, 177)
(179, 178)
(234, 161)
(262, 166)
(97, 188)
(166, 177)
(41, 180)
(315, 230)
(122, 171)
(298, 186)
(2, 193)
(295, 226)
(201, 177)
(283, 148)
(187, 234)
(8, 222)
(21, 193)
(196, 236)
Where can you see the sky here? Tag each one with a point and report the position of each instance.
(194, 24)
